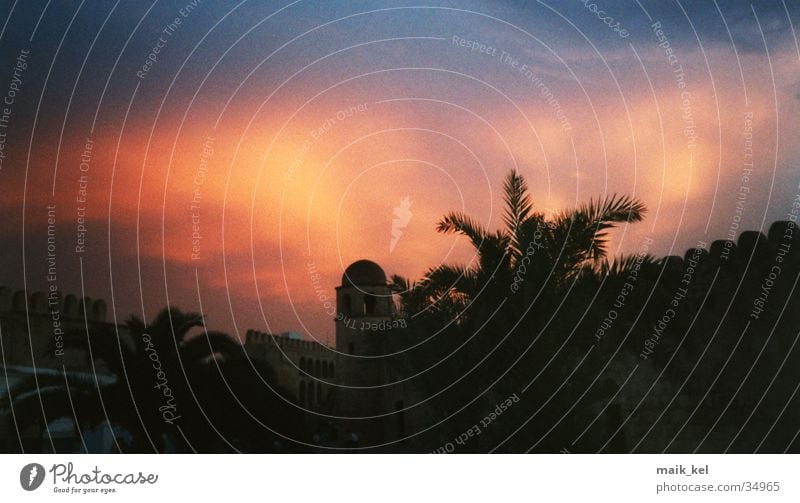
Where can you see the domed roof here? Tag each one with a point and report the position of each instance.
(363, 273)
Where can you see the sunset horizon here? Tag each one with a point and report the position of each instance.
(565, 228)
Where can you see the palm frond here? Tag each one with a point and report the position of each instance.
(564, 247)
(174, 321)
(625, 265)
(207, 344)
(449, 275)
(399, 284)
(446, 284)
(518, 208)
(135, 323)
(571, 241)
(495, 255)
(411, 294)
(460, 223)
(613, 208)
(589, 223)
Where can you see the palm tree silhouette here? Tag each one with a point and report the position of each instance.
(531, 249)
(124, 396)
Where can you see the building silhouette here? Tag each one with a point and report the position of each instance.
(395, 384)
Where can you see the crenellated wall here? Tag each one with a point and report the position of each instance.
(741, 313)
(39, 302)
(307, 369)
(33, 326)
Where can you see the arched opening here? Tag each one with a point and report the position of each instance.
(332, 370)
(99, 310)
(20, 301)
(317, 372)
(347, 308)
(324, 369)
(369, 304)
(39, 302)
(70, 306)
(311, 393)
(302, 393)
(319, 393)
(302, 366)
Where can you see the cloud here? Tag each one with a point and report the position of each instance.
(309, 176)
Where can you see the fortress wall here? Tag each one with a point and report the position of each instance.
(33, 326)
(297, 364)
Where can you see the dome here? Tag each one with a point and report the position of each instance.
(363, 273)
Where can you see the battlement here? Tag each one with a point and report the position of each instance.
(750, 246)
(39, 302)
(254, 337)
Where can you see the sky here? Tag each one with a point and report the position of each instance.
(233, 157)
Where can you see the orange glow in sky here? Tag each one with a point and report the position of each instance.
(249, 192)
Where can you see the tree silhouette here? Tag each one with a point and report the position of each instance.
(217, 397)
(529, 250)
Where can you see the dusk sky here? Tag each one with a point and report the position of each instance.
(288, 133)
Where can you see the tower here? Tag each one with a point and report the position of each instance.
(365, 312)
(364, 309)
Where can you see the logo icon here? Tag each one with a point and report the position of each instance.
(403, 216)
(31, 476)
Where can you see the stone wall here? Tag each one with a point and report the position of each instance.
(306, 369)
(33, 326)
